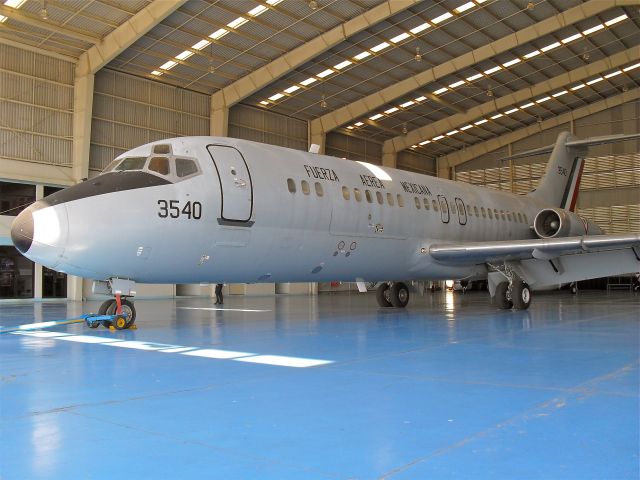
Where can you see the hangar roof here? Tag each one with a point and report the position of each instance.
(431, 76)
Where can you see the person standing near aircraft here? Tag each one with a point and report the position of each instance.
(219, 293)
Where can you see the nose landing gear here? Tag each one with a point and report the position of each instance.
(120, 307)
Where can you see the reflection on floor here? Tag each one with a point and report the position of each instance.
(448, 388)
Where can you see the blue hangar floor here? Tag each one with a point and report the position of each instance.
(326, 388)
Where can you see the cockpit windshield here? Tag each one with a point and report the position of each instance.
(136, 163)
(175, 169)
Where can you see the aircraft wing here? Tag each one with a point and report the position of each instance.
(469, 253)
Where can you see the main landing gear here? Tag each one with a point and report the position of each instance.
(392, 294)
(120, 307)
(514, 293)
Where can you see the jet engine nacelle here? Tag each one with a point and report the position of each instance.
(555, 222)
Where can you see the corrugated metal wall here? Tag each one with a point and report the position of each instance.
(610, 186)
(250, 123)
(353, 148)
(129, 111)
(36, 107)
(414, 162)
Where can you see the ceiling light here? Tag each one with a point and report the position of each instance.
(613, 21)
(550, 47)
(586, 55)
(218, 34)
(440, 90)
(44, 14)
(275, 97)
(257, 11)
(14, 3)
(156, 73)
(492, 70)
(457, 84)
(558, 94)
(399, 38)
(341, 65)
(201, 44)
(480, 122)
(358, 124)
(184, 55)
(452, 132)
(391, 110)
(420, 28)
(571, 38)
(489, 92)
(323, 102)
(313, 5)
(168, 65)
(511, 62)
(595, 80)
(264, 102)
(350, 127)
(273, 3)
(474, 77)
(532, 54)
(589, 31)
(425, 142)
(613, 74)
(578, 87)
(526, 105)
(509, 112)
(420, 99)
(362, 55)
(418, 57)
(407, 104)
(324, 73)
(631, 67)
(291, 89)
(466, 127)
(238, 22)
(543, 99)
(464, 8)
(376, 116)
(442, 18)
(380, 46)
(404, 129)
(414, 146)
(498, 115)
(308, 81)
(439, 137)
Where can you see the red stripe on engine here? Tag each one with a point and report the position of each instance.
(576, 188)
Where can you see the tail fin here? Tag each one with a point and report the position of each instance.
(560, 184)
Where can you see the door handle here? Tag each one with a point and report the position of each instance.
(239, 183)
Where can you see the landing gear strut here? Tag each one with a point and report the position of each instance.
(120, 307)
(392, 294)
(514, 293)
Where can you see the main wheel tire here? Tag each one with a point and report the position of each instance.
(382, 295)
(502, 300)
(399, 295)
(520, 295)
(127, 307)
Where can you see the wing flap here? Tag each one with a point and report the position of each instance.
(467, 253)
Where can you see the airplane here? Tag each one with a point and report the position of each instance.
(226, 210)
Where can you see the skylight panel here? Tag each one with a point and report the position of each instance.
(442, 18)
(291, 89)
(457, 84)
(342, 65)
(14, 3)
(589, 31)
(474, 77)
(571, 38)
(509, 112)
(425, 142)
(532, 54)
(391, 110)
(264, 102)
(439, 137)
(399, 38)
(480, 122)
(613, 74)
(201, 44)
(156, 73)
(273, 3)
(407, 104)
(613, 21)
(550, 46)
(631, 67)
(543, 99)
(420, 28)
(420, 99)
(376, 116)
(218, 34)
(257, 11)
(492, 70)
(362, 55)
(3, 19)
(464, 7)
(350, 127)
(452, 132)
(238, 22)
(168, 65)
(440, 90)
(560, 93)
(275, 97)
(380, 46)
(511, 62)
(308, 81)
(578, 87)
(324, 73)
(497, 115)
(358, 124)
(466, 127)
(595, 80)
(527, 105)
(184, 55)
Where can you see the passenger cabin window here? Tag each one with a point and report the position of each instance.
(136, 163)
(525, 218)
(426, 203)
(435, 205)
(490, 214)
(305, 187)
(345, 193)
(495, 212)
(357, 194)
(390, 199)
(160, 165)
(400, 200)
(484, 213)
(367, 194)
(380, 198)
(475, 210)
(291, 185)
(417, 200)
(319, 191)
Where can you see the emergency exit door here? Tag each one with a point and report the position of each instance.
(236, 188)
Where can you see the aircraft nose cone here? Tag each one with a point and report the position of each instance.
(22, 230)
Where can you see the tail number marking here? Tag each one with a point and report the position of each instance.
(173, 209)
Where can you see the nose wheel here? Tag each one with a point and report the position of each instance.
(120, 322)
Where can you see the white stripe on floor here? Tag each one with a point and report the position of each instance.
(281, 361)
(214, 353)
(222, 309)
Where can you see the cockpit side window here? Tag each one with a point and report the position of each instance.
(159, 165)
(111, 166)
(185, 167)
(134, 163)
